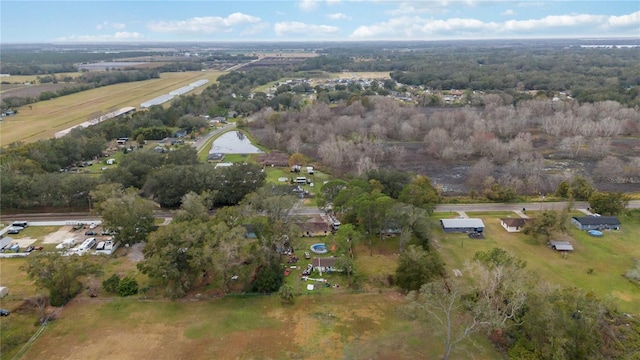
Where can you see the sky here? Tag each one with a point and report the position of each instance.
(87, 21)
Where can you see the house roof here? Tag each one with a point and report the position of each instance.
(517, 222)
(323, 262)
(561, 245)
(462, 223)
(314, 227)
(597, 220)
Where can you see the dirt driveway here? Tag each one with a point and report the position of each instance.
(57, 237)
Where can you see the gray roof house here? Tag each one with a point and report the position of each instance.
(596, 222)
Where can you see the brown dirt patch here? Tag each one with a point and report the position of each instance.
(64, 232)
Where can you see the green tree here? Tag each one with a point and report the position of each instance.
(111, 284)
(544, 225)
(417, 267)
(193, 207)
(60, 274)
(581, 189)
(128, 286)
(129, 215)
(563, 190)
(286, 294)
(420, 193)
(176, 255)
(608, 203)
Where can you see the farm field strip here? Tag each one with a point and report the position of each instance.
(43, 119)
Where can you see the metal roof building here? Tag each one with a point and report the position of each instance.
(462, 225)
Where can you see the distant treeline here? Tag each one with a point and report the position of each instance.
(588, 74)
(50, 62)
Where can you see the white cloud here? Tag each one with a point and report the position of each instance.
(117, 37)
(299, 28)
(338, 16)
(416, 27)
(632, 19)
(109, 25)
(553, 21)
(308, 5)
(206, 24)
(508, 12)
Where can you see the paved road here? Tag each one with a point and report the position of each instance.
(633, 204)
(442, 208)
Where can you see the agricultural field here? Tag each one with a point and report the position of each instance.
(43, 119)
(596, 264)
(21, 79)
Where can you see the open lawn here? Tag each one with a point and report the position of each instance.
(43, 119)
(596, 264)
(315, 327)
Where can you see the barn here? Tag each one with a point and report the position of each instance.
(462, 225)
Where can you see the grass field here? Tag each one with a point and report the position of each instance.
(43, 119)
(596, 264)
(316, 327)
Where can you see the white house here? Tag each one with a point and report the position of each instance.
(513, 224)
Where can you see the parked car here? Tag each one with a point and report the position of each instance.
(29, 249)
(38, 248)
(4, 312)
(287, 271)
(307, 255)
(90, 232)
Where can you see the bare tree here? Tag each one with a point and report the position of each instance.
(610, 168)
(599, 147)
(442, 301)
(294, 144)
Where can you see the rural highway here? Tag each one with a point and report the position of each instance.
(442, 208)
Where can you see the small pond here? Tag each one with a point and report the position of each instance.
(233, 142)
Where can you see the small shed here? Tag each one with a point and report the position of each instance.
(560, 245)
(462, 225)
(4, 291)
(596, 222)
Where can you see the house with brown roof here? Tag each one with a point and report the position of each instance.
(513, 224)
(323, 264)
